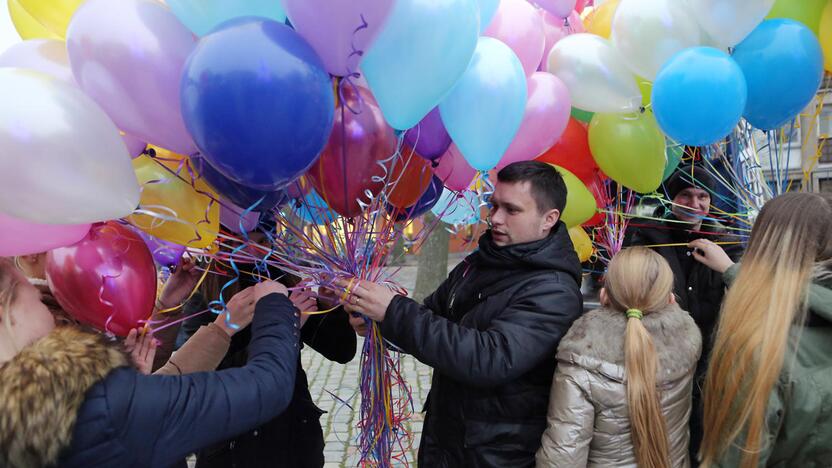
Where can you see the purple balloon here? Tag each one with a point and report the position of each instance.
(164, 253)
(333, 28)
(134, 146)
(231, 216)
(429, 137)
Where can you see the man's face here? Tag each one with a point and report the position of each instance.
(515, 218)
(691, 204)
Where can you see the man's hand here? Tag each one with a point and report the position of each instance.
(180, 285)
(305, 301)
(359, 324)
(142, 350)
(368, 298)
(240, 310)
(711, 255)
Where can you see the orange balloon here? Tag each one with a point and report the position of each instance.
(410, 177)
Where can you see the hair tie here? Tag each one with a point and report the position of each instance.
(635, 313)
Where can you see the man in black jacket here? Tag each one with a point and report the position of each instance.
(490, 331)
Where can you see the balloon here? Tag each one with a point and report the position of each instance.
(595, 73)
(518, 25)
(581, 242)
(238, 194)
(596, 187)
(487, 10)
(106, 280)
(629, 149)
(115, 48)
(555, 29)
(485, 109)
(166, 194)
(201, 16)
(314, 209)
(235, 218)
(135, 147)
(429, 137)
(599, 21)
(420, 53)
(674, 155)
(47, 56)
(25, 237)
(53, 15)
(783, 66)
(62, 161)
(699, 96)
(571, 152)
(581, 115)
(454, 170)
(559, 8)
(727, 23)
(646, 89)
(258, 102)
(808, 12)
(826, 35)
(427, 201)
(26, 26)
(545, 119)
(409, 177)
(349, 166)
(580, 5)
(457, 208)
(649, 32)
(336, 29)
(580, 204)
(166, 254)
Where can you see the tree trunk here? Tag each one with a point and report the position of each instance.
(432, 260)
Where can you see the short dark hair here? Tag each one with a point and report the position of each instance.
(547, 185)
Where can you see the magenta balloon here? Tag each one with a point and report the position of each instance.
(128, 55)
(547, 113)
(44, 55)
(339, 31)
(556, 29)
(559, 8)
(454, 170)
(24, 237)
(518, 24)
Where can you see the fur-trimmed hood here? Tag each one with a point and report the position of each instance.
(596, 342)
(42, 390)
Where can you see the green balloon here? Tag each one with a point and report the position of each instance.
(674, 157)
(807, 12)
(629, 149)
(580, 204)
(582, 115)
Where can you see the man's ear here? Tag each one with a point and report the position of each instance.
(550, 218)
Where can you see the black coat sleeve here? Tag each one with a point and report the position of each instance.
(161, 419)
(518, 339)
(331, 335)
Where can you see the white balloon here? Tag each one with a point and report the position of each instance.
(44, 55)
(728, 22)
(649, 32)
(62, 160)
(595, 73)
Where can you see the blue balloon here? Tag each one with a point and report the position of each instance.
(427, 201)
(258, 102)
(313, 209)
(201, 16)
(699, 96)
(485, 109)
(488, 8)
(783, 65)
(240, 195)
(419, 54)
(454, 208)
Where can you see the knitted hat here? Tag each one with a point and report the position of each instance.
(681, 180)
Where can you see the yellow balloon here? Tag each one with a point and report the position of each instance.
(166, 194)
(580, 204)
(582, 243)
(26, 26)
(646, 88)
(54, 15)
(600, 20)
(826, 35)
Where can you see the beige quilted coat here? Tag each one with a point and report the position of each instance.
(588, 422)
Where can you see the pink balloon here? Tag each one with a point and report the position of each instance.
(24, 237)
(547, 113)
(128, 56)
(231, 215)
(44, 55)
(580, 5)
(559, 8)
(134, 146)
(107, 280)
(336, 29)
(556, 29)
(454, 170)
(518, 24)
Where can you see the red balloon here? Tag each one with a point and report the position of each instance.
(411, 175)
(572, 152)
(106, 280)
(349, 164)
(596, 187)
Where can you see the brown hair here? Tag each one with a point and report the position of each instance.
(9, 282)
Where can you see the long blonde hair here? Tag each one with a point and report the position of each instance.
(9, 282)
(641, 279)
(791, 239)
